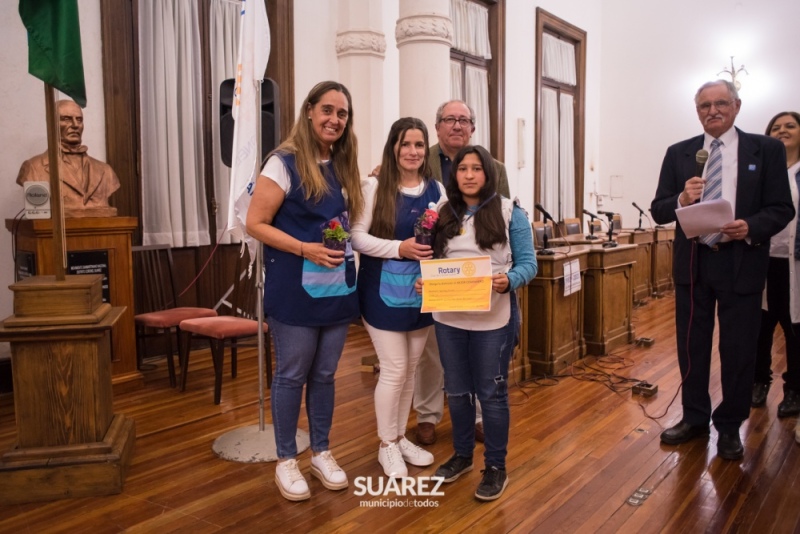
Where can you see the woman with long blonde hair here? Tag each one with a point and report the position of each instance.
(310, 183)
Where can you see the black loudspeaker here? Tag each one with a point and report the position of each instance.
(270, 118)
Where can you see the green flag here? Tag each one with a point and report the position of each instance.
(54, 45)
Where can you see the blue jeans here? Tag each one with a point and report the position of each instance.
(304, 355)
(475, 363)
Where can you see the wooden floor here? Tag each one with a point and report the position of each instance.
(578, 451)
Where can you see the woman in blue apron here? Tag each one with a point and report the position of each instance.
(389, 266)
(309, 183)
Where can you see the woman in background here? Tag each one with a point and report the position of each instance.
(781, 303)
(390, 307)
(476, 347)
(310, 182)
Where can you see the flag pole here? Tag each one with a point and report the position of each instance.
(254, 443)
(57, 211)
(260, 283)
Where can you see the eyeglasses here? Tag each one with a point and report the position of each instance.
(451, 121)
(721, 105)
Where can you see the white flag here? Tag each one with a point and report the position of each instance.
(245, 166)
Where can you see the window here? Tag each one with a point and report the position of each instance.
(476, 66)
(560, 103)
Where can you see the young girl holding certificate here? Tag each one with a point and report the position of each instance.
(476, 347)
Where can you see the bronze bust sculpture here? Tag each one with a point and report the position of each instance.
(86, 183)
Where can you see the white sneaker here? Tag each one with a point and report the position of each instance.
(414, 454)
(291, 482)
(325, 468)
(391, 459)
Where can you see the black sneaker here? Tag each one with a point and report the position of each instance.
(454, 468)
(492, 484)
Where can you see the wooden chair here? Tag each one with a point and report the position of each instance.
(598, 227)
(156, 300)
(541, 229)
(616, 223)
(240, 322)
(572, 226)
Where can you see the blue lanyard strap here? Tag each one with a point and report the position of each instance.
(472, 212)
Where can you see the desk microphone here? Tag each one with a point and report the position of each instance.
(590, 214)
(638, 208)
(544, 212)
(607, 213)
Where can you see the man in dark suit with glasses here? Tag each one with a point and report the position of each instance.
(722, 273)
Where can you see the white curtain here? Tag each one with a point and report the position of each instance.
(224, 33)
(550, 158)
(456, 90)
(558, 60)
(471, 35)
(173, 190)
(470, 28)
(567, 157)
(477, 96)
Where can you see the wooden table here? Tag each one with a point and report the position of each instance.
(552, 333)
(583, 239)
(662, 260)
(608, 298)
(642, 269)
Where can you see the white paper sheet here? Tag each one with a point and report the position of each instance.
(572, 277)
(704, 217)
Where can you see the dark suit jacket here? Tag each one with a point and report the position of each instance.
(436, 171)
(763, 200)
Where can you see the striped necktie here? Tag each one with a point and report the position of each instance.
(713, 189)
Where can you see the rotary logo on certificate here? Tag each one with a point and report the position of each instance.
(457, 284)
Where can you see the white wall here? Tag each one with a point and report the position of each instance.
(520, 89)
(656, 55)
(24, 129)
(315, 58)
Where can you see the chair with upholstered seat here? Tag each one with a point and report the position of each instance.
(241, 322)
(156, 302)
(572, 226)
(616, 223)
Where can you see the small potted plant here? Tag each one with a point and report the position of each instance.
(335, 236)
(423, 228)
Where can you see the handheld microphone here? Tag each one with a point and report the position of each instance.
(590, 214)
(544, 212)
(638, 208)
(700, 161)
(607, 213)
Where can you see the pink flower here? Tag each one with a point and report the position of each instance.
(427, 221)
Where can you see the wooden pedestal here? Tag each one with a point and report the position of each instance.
(109, 234)
(69, 442)
(608, 298)
(662, 260)
(552, 332)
